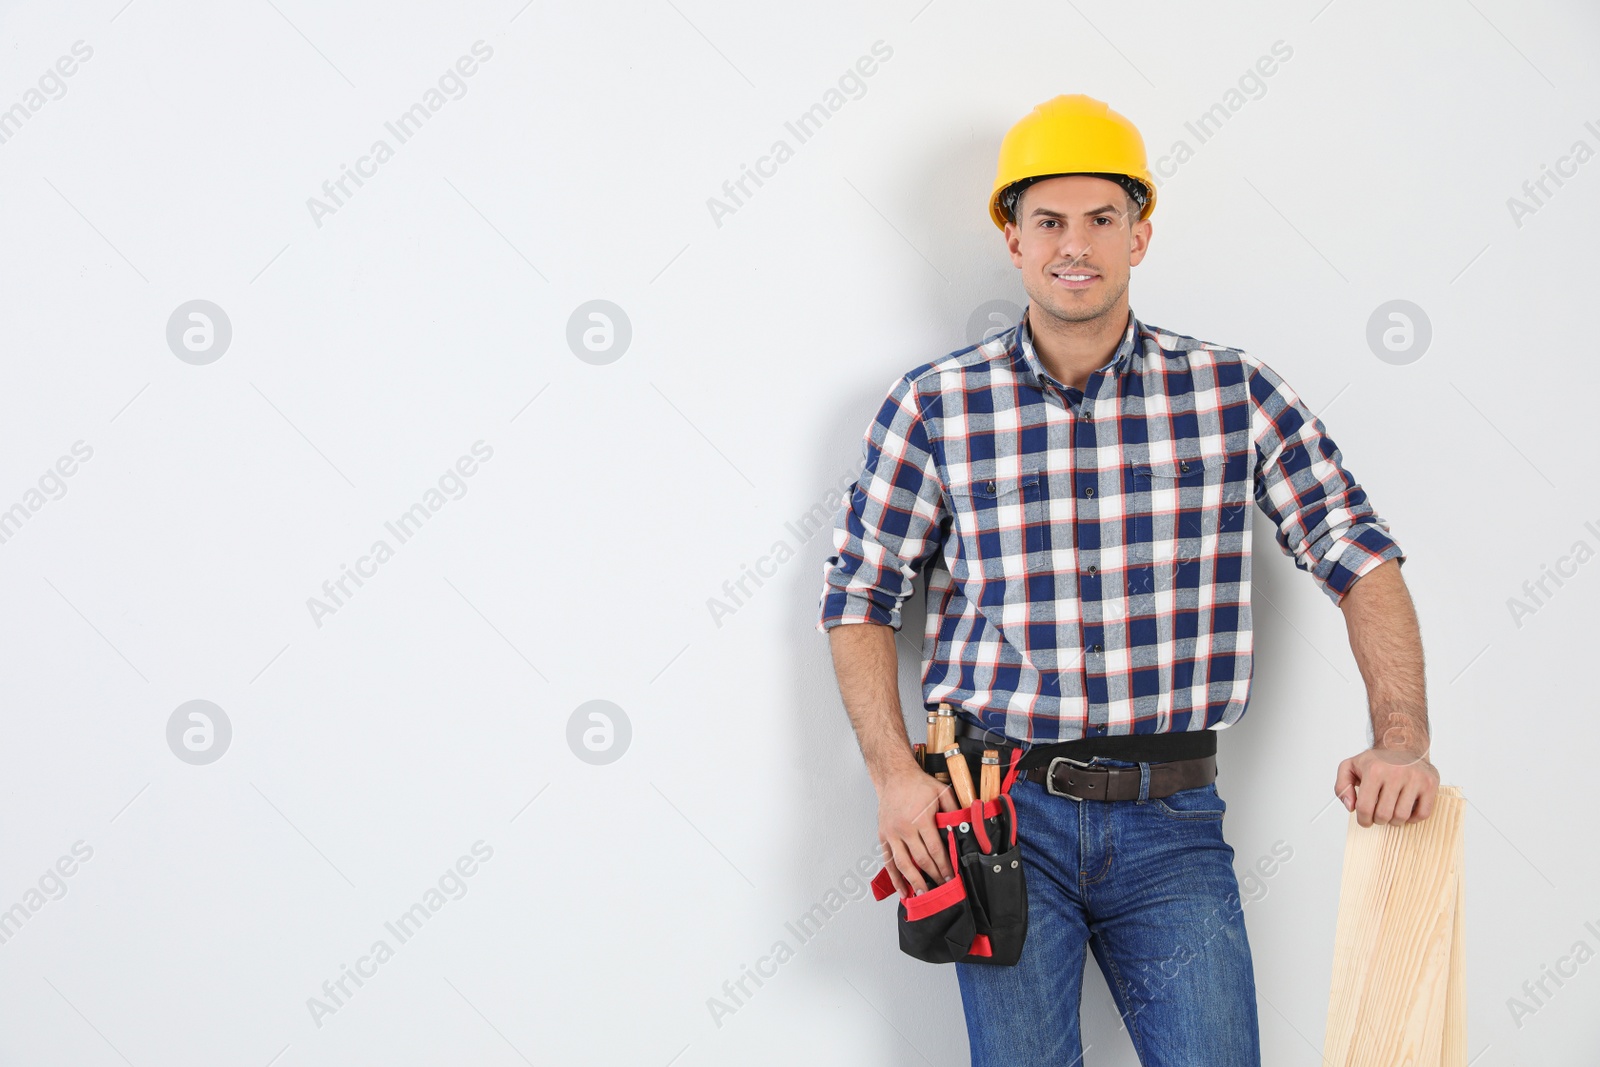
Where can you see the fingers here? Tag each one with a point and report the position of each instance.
(1405, 805)
(907, 869)
(1383, 806)
(1389, 793)
(899, 880)
(1425, 792)
(922, 854)
(908, 829)
(935, 845)
(1367, 801)
(927, 847)
(1344, 784)
(1425, 803)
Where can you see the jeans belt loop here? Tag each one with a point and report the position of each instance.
(1144, 782)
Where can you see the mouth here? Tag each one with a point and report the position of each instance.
(1077, 278)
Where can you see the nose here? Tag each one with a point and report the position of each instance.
(1074, 240)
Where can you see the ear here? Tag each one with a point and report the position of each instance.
(1140, 242)
(1013, 237)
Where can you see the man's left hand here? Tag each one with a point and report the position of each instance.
(1387, 785)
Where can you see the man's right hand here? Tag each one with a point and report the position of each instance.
(907, 801)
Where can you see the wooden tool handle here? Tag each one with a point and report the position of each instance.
(960, 776)
(920, 751)
(941, 735)
(989, 776)
(945, 724)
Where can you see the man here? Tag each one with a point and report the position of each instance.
(1077, 493)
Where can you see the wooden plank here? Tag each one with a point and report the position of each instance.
(1398, 951)
(1455, 1001)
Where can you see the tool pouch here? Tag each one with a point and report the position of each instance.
(981, 915)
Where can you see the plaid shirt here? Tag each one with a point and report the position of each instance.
(1088, 553)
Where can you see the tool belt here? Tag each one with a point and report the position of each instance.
(1078, 779)
(980, 915)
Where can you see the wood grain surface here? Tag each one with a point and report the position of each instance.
(1399, 969)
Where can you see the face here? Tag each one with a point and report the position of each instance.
(1076, 244)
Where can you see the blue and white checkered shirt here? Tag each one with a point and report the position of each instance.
(1088, 554)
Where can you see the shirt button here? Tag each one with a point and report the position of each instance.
(1088, 414)
(1096, 648)
(1184, 467)
(1089, 491)
(1093, 569)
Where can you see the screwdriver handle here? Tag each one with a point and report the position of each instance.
(960, 776)
(989, 775)
(946, 726)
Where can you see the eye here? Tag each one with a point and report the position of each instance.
(1048, 222)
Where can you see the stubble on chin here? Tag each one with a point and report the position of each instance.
(1065, 309)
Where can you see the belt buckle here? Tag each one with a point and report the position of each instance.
(1050, 775)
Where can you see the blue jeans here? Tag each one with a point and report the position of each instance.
(1148, 886)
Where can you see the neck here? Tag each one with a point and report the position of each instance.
(1071, 351)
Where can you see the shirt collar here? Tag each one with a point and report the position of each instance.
(1034, 371)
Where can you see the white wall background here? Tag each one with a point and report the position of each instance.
(431, 710)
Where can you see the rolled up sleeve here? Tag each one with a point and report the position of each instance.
(892, 522)
(1324, 521)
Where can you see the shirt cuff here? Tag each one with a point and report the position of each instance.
(1359, 549)
(842, 609)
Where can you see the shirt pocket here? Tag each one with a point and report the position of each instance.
(999, 520)
(1175, 505)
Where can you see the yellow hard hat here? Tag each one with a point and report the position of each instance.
(1073, 134)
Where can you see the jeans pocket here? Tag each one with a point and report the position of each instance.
(1201, 802)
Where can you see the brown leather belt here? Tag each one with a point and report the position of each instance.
(1083, 780)
(1079, 780)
